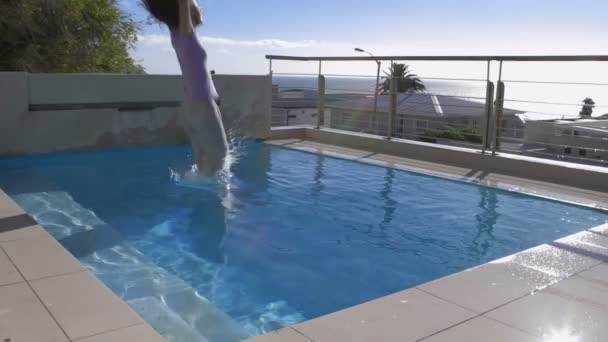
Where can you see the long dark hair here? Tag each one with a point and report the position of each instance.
(167, 12)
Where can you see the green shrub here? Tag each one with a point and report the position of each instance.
(467, 134)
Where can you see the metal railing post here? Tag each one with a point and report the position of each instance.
(498, 107)
(489, 109)
(376, 89)
(392, 107)
(321, 102)
(498, 110)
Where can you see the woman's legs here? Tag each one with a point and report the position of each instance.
(204, 125)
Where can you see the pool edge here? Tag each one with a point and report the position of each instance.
(481, 300)
(542, 189)
(56, 294)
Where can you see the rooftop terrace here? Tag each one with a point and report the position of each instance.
(550, 293)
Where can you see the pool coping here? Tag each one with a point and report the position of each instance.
(46, 294)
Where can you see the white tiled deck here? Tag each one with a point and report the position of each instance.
(46, 295)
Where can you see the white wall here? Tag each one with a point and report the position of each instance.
(562, 134)
(296, 116)
(31, 122)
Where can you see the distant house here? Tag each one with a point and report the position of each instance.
(294, 107)
(569, 138)
(417, 114)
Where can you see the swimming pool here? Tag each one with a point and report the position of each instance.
(297, 235)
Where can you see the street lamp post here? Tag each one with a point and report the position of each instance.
(377, 78)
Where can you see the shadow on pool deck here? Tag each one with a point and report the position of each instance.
(16, 222)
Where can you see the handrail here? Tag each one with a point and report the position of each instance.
(491, 125)
(539, 58)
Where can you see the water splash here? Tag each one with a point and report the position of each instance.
(193, 178)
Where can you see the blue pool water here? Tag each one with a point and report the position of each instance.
(296, 236)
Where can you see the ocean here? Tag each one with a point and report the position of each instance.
(539, 100)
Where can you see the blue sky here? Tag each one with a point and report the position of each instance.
(238, 33)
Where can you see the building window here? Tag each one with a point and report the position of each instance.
(346, 118)
(504, 123)
(575, 132)
(422, 124)
(566, 132)
(568, 150)
(582, 152)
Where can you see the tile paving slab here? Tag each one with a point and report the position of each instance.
(33, 232)
(555, 261)
(283, 335)
(136, 333)
(8, 272)
(40, 258)
(488, 286)
(24, 319)
(574, 307)
(83, 306)
(405, 316)
(482, 329)
(8, 207)
(598, 273)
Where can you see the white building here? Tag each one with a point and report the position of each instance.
(416, 115)
(574, 138)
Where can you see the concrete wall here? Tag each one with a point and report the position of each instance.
(41, 113)
(14, 103)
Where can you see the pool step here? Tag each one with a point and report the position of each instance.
(164, 300)
(166, 322)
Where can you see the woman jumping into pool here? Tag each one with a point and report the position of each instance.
(201, 114)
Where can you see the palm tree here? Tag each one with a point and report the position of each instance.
(588, 105)
(406, 81)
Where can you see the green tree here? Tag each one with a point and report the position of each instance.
(588, 105)
(66, 36)
(407, 82)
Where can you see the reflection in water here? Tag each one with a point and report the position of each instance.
(486, 220)
(390, 205)
(318, 186)
(207, 227)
